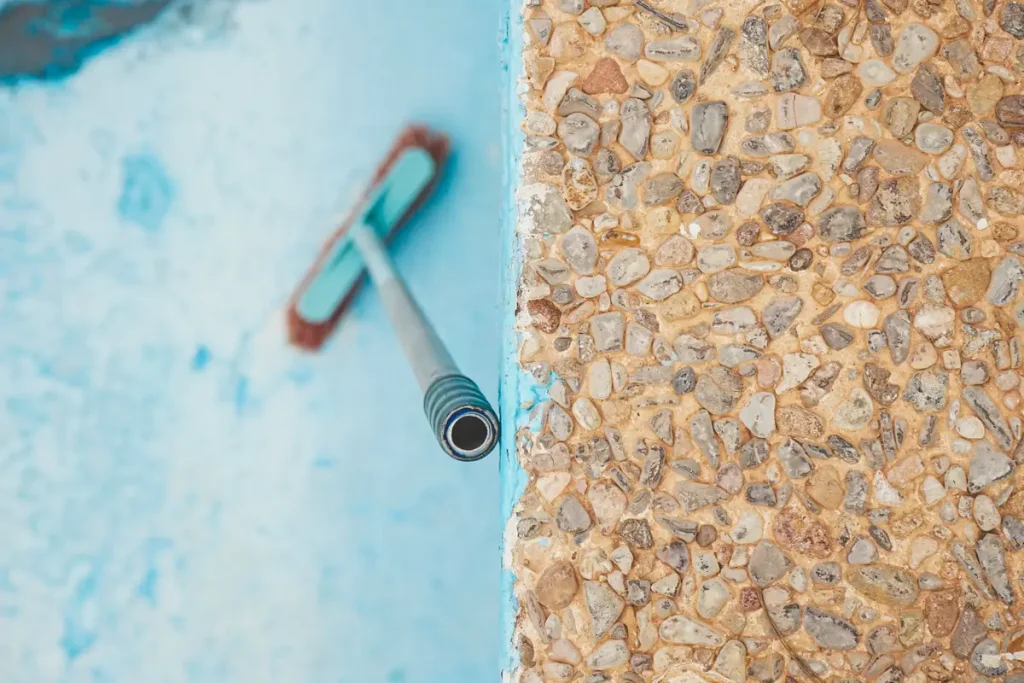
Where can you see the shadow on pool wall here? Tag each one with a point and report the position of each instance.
(52, 39)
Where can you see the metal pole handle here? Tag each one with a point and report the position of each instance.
(463, 421)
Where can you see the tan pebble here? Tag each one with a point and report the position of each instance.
(952, 86)
(1015, 178)
(861, 314)
(1007, 76)
(923, 356)
(906, 470)
(845, 92)
(996, 48)
(651, 73)
(563, 650)
(545, 315)
(557, 86)
(990, 248)
(956, 26)
(1006, 156)
(614, 14)
(606, 77)
(539, 70)
(769, 370)
(932, 490)
(616, 412)
(822, 293)
(941, 611)
(1004, 232)
(1011, 400)
(681, 306)
(860, 32)
(701, 290)
(801, 235)
(970, 427)
(983, 95)
(662, 220)
(799, 423)
(557, 586)
(825, 487)
(814, 344)
(568, 41)
(550, 486)
(593, 22)
(967, 282)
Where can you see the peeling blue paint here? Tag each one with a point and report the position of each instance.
(516, 385)
(201, 358)
(241, 392)
(79, 627)
(146, 192)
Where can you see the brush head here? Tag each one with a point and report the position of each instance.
(400, 185)
(390, 200)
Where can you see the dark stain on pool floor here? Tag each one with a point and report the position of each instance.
(53, 40)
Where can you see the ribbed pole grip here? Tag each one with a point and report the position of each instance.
(463, 421)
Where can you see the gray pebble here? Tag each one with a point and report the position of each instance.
(988, 412)
(992, 558)
(767, 564)
(787, 71)
(766, 145)
(626, 41)
(988, 465)
(954, 240)
(781, 30)
(926, 390)
(794, 459)
(579, 249)
(725, 180)
(782, 218)
(983, 651)
(572, 517)
(802, 258)
(754, 46)
(679, 49)
(753, 453)
(636, 127)
(708, 121)
(719, 48)
(579, 133)
(841, 224)
(826, 573)
(780, 313)
(926, 87)
(683, 85)
(662, 188)
(896, 327)
(759, 493)
(856, 497)
(881, 39)
(880, 286)
(683, 382)
(860, 148)
(1011, 19)
(800, 189)
(829, 631)
(734, 285)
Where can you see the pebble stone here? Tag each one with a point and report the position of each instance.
(770, 311)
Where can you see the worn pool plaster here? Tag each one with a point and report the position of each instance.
(183, 497)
